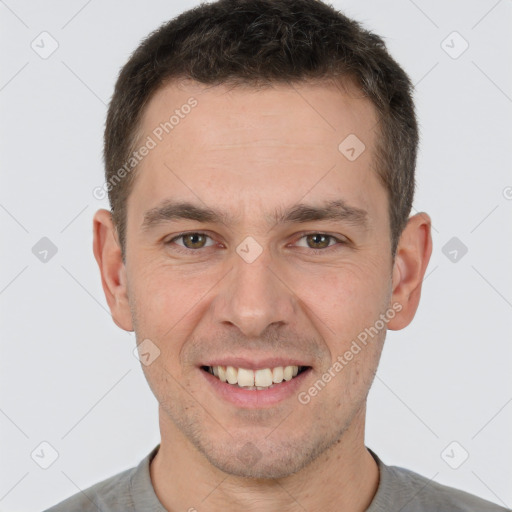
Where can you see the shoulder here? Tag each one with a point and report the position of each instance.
(430, 495)
(110, 495)
(412, 492)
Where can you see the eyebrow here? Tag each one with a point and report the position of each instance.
(335, 210)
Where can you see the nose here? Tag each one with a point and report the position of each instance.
(254, 296)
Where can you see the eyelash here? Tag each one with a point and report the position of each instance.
(328, 249)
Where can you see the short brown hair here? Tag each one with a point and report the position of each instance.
(258, 42)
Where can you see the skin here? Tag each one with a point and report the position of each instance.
(249, 152)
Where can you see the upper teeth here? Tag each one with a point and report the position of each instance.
(249, 378)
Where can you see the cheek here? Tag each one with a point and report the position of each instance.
(345, 299)
(168, 303)
(159, 300)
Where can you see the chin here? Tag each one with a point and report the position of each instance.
(265, 460)
(266, 468)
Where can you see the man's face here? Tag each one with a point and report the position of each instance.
(252, 290)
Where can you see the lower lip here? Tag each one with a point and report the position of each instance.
(254, 398)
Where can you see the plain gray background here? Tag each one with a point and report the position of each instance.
(68, 376)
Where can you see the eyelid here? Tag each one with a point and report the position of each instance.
(184, 233)
(340, 239)
(337, 237)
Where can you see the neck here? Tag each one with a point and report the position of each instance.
(345, 474)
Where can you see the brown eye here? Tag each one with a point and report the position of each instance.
(321, 243)
(194, 240)
(190, 241)
(318, 240)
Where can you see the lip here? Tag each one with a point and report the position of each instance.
(256, 398)
(256, 364)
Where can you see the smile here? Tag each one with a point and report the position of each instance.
(259, 379)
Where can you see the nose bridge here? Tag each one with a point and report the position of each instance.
(252, 297)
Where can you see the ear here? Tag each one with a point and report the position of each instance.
(411, 260)
(107, 252)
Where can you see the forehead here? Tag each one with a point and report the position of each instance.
(247, 147)
(295, 114)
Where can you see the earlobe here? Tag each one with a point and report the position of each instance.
(113, 271)
(411, 261)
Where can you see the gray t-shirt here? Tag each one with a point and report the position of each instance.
(399, 490)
